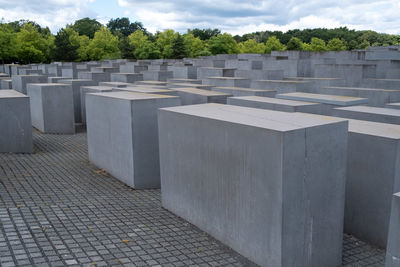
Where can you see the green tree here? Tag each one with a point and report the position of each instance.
(251, 46)
(66, 45)
(87, 26)
(142, 47)
(273, 44)
(204, 34)
(294, 44)
(223, 44)
(31, 46)
(336, 44)
(317, 45)
(104, 45)
(193, 45)
(178, 47)
(165, 42)
(7, 43)
(124, 26)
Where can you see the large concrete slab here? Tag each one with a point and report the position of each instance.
(281, 87)
(91, 89)
(268, 184)
(393, 247)
(123, 135)
(147, 90)
(191, 96)
(384, 115)
(227, 81)
(76, 89)
(52, 107)
(19, 82)
(126, 77)
(275, 104)
(240, 91)
(15, 122)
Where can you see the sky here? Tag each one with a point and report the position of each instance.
(232, 16)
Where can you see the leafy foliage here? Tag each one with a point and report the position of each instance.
(223, 44)
(87, 26)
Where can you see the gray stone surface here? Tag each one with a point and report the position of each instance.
(275, 104)
(239, 91)
(221, 165)
(393, 248)
(227, 81)
(373, 175)
(147, 90)
(19, 82)
(384, 115)
(15, 122)
(90, 89)
(52, 107)
(191, 96)
(5, 84)
(126, 77)
(123, 135)
(114, 84)
(76, 89)
(280, 86)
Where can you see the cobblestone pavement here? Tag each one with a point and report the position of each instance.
(57, 209)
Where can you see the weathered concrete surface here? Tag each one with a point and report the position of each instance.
(126, 77)
(393, 247)
(52, 107)
(90, 89)
(384, 115)
(191, 96)
(227, 81)
(275, 104)
(76, 89)
(15, 122)
(114, 84)
(147, 90)
(241, 175)
(123, 135)
(19, 82)
(240, 91)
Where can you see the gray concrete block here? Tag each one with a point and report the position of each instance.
(284, 86)
(52, 107)
(393, 247)
(19, 82)
(95, 76)
(147, 90)
(126, 77)
(5, 84)
(156, 83)
(56, 79)
(275, 104)
(179, 80)
(123, 135)
(194, 85)
(114, 84)
(227, 81)
(239, 91)
(241, 175)
(15, 122)
(373, 175)
(366, 113)
(76, 89)
(90, 89)
(191, 96)
(157, 75)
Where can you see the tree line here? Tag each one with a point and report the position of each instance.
(87, 39)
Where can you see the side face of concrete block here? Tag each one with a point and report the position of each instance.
(383, 115)
(373, 168)
(15, 123)
(123, 135)
(393, 247)
(19, 82)
(90, 89)
(217, 174)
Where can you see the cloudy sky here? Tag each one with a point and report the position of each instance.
(233, 16)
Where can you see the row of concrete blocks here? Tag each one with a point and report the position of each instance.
(204, 177)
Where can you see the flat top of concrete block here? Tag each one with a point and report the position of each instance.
(114, 83)
(8, 80)
(362, 88)
(11, 94)
(282, 81)
(312, 79)
(261, 118)
(29, 75)
(275, 101)
(373, 110)
(48, 85)
(393, 104)
(98, 87)
(152, 82)
(132, 95)
(227, 78)
(183, 80)
(386, 130)
(198, 91)
(75, 80)
(397, 195)
(191, 85)
(143, 89)
(392, 80)
(325, 99)
(243, 89)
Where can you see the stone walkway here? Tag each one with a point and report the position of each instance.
(57, 209)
